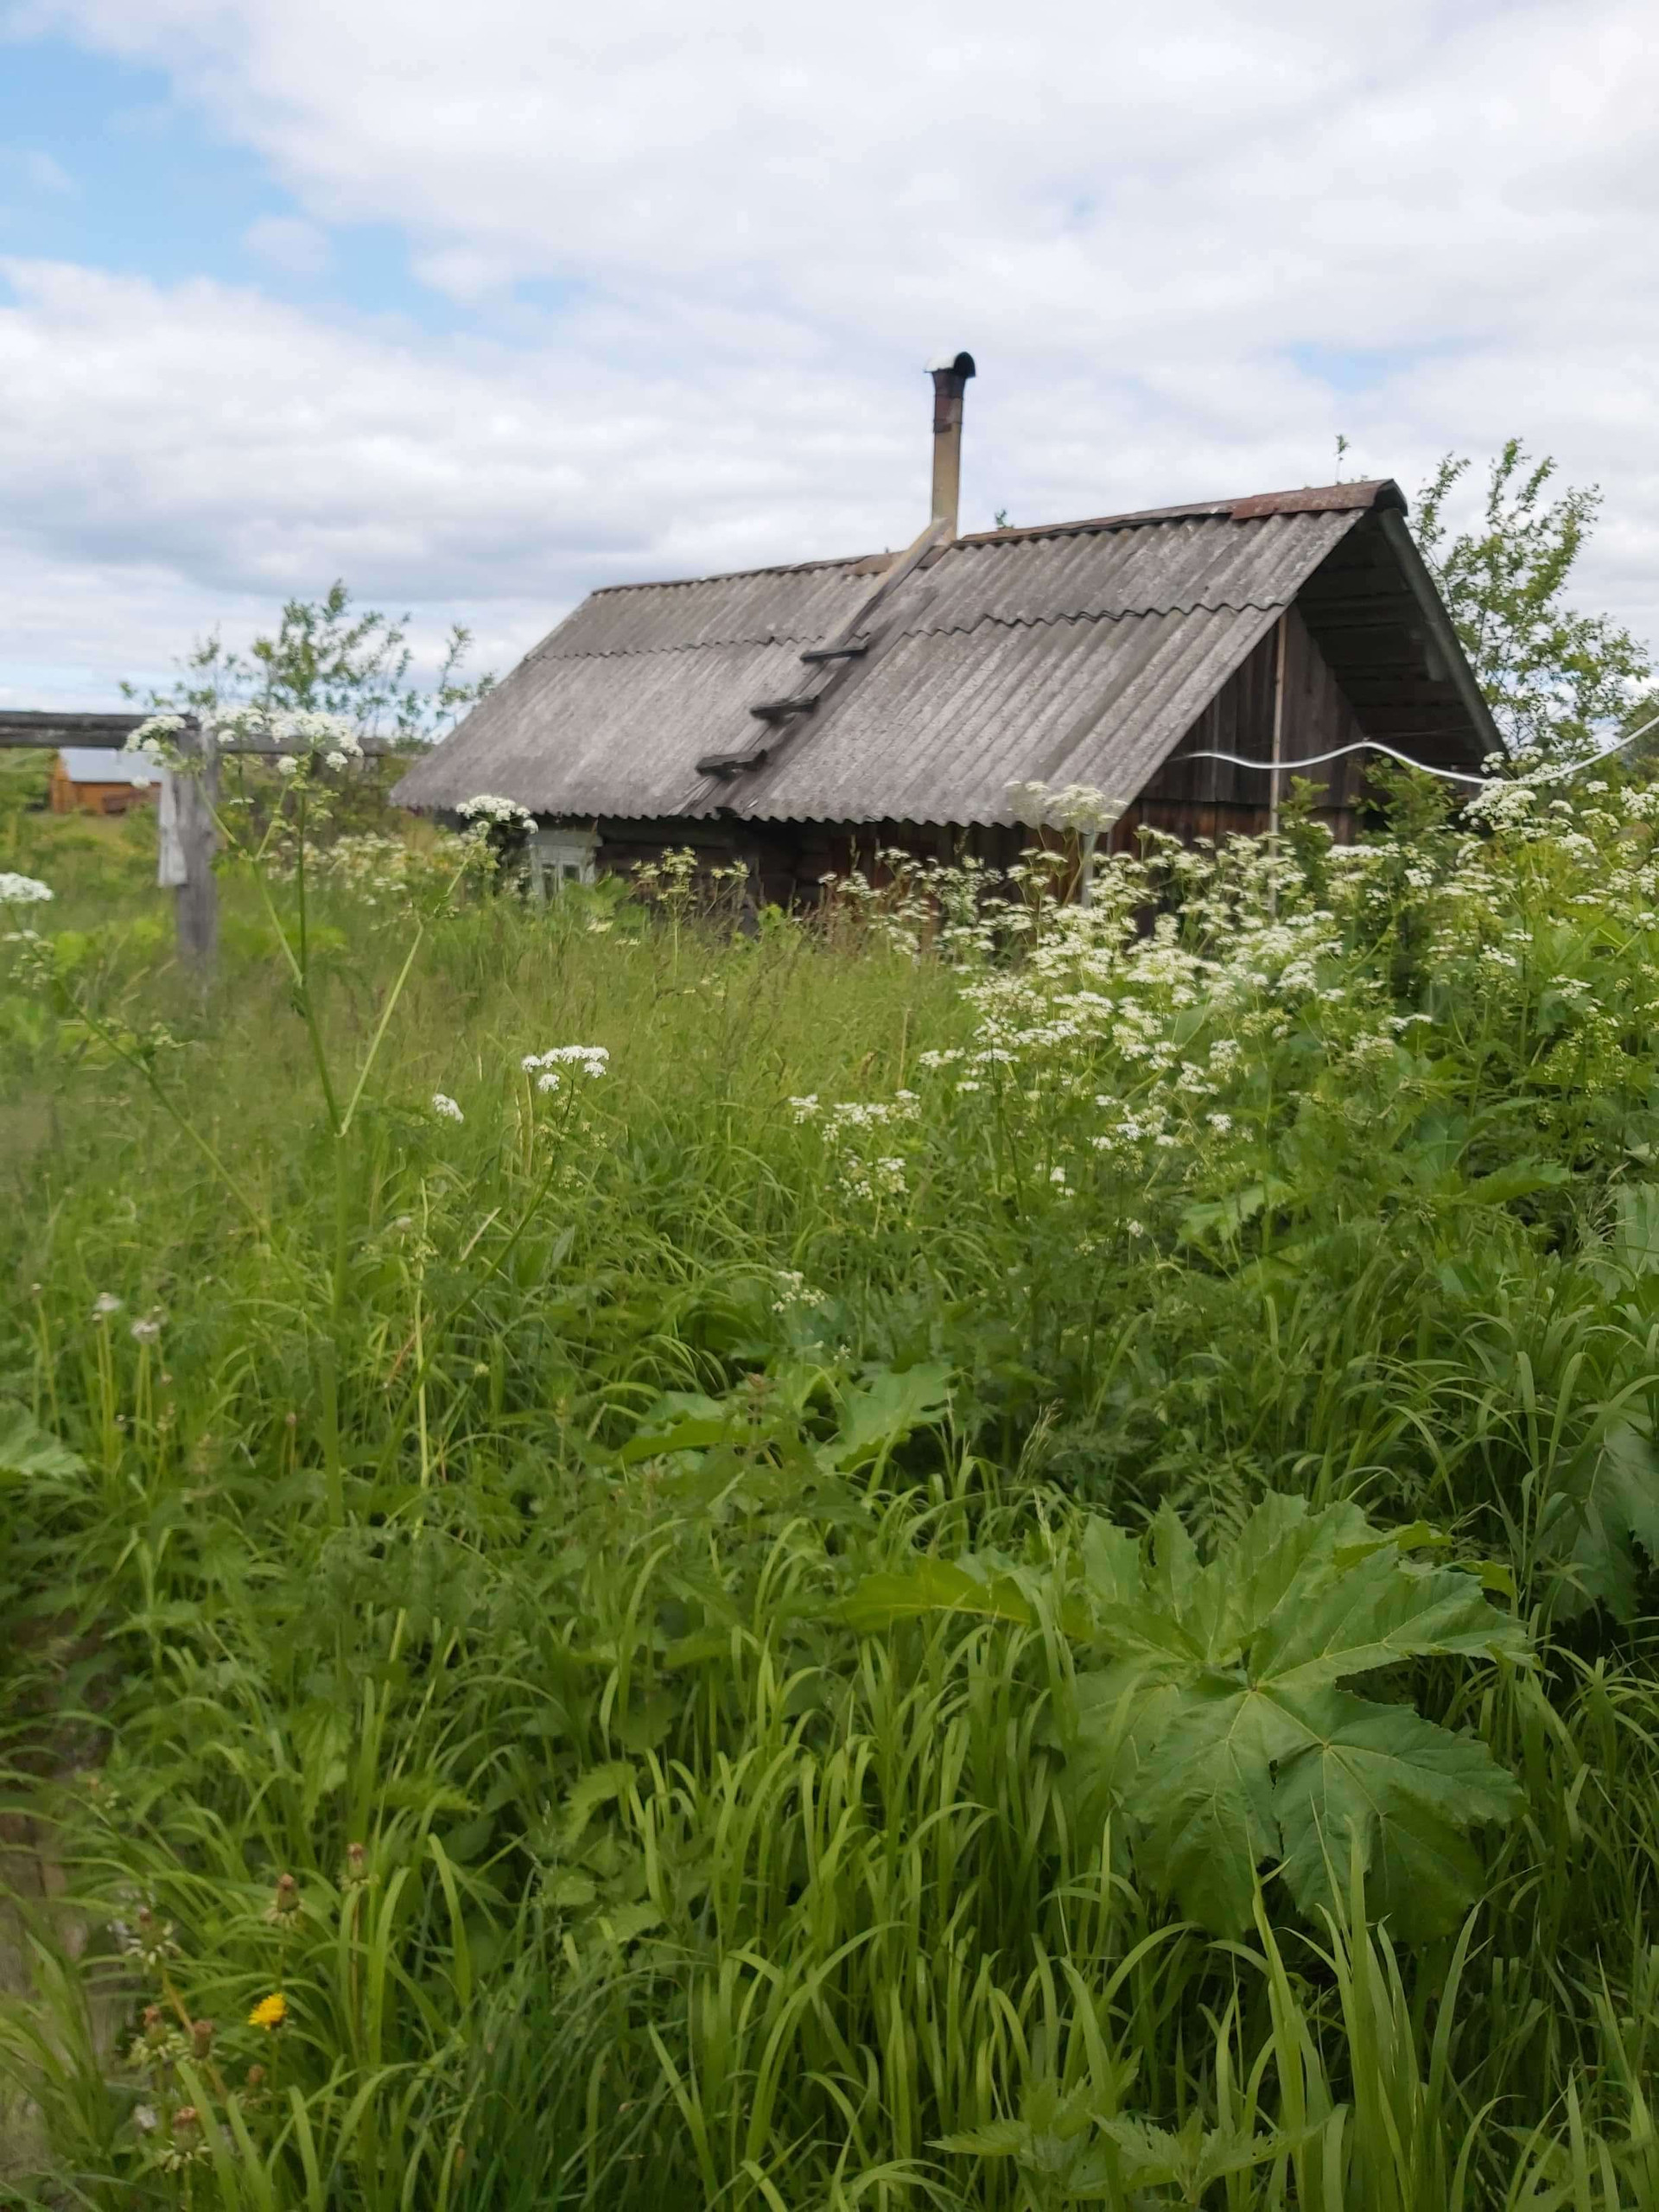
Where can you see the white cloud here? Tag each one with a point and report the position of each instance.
(770, 218)
(290, 243)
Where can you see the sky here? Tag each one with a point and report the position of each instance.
(477, 307)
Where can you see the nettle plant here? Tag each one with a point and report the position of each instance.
(1209, 1713)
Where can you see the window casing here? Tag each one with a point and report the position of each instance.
(558, 857)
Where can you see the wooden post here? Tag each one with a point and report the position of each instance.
(188, 864)
(196, 899)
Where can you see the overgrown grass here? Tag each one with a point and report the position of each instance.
(458, 1518)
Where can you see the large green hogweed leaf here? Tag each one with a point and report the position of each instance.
(1219, 1726)
(1216, 1722)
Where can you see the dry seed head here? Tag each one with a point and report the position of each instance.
(285, 1904)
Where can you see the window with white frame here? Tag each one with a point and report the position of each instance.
(562, 856)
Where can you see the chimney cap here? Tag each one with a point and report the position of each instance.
(957, 365)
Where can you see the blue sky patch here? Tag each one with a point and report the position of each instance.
(102, 166)
(1353, 370)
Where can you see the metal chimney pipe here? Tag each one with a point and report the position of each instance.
(950, 373)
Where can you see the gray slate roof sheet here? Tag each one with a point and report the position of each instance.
(87, 764)
(1079, 653)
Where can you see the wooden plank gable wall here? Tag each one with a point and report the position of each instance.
(1209, 798)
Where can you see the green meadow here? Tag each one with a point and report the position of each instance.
(963, 1552)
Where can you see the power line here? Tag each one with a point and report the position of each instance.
(1456, 775)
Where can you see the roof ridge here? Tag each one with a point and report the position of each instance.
(1361, 493)
(734, 576)
(684, 645)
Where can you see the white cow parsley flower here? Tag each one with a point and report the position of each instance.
(485, 809)
(21, 890)
(590, 1059)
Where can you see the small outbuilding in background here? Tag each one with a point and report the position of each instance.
(88, 780)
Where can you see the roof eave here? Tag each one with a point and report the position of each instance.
(1426, 594)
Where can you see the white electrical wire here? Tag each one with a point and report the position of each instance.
(1456, 775)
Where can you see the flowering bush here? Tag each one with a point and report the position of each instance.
(383, 873)
(1170, 1054)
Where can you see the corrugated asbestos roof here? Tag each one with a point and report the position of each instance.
(1076, 653)
(794, 606)
(87, 764)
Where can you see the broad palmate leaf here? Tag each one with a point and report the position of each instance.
(1599, 1521)
(27, 1450)
(1216, 1724)
(1220, 1730)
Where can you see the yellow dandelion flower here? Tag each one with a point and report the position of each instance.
(270, 2012)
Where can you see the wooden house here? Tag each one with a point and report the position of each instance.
(802, 718)
(88, 780)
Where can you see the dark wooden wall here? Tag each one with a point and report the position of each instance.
(1207, 798)
(787, 861)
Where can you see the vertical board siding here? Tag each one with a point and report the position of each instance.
(1213, 799)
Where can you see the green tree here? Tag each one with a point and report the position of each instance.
(330, 656)
(1555, 678)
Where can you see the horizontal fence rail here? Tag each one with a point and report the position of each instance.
(195, 836)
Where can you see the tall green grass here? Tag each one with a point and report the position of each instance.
(462, 1533)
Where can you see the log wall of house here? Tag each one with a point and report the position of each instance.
(65, 797)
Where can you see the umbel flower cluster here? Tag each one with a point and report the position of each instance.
(497, 831)
(549, 1069)
(21, 890)
(485, 810)
(1157, 1046)
(387, 876)
(301, 739)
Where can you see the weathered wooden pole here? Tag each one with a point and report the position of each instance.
(195, 901)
